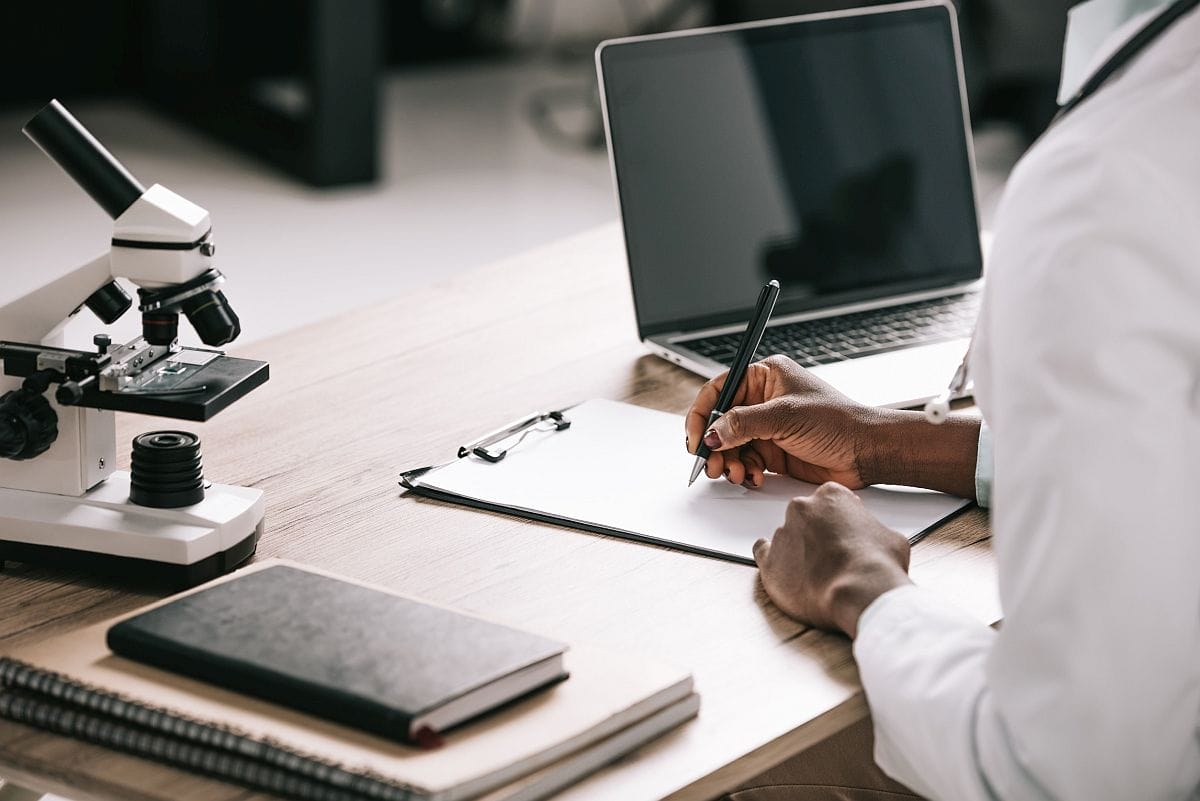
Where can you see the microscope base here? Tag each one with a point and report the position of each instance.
(102, 532)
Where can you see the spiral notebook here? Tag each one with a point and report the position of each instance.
(621, 470)
(74, 686)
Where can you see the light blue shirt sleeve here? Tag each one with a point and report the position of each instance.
(984, 470)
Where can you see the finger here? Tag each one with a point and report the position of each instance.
(833, 490)
(760, 550)
(755, 468)
(774, 458)
(735, 470)
(715, 466)
(799, 379)
(696, 420)
(739, 425)
(797, 511)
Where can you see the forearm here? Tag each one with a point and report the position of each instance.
(903, 448)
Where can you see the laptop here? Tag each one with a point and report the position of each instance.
(829, 151)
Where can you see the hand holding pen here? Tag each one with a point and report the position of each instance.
(737, 371)
(785, 420)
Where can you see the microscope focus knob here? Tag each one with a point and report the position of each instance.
(28, 425)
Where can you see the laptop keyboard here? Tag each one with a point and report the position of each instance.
(848, 336)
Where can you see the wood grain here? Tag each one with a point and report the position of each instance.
(355, 399)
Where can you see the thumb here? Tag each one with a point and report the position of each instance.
(741, 424)
(760, 550)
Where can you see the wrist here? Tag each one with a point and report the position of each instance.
(878, 443)
(850, 597)
(902, 447)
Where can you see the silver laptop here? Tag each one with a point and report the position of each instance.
(829, 151)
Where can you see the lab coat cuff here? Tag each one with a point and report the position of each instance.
(899, 610)
(877, 619)
(984, 469)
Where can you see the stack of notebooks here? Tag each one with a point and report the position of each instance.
(288, 680)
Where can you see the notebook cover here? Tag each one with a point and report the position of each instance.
(331, 648)
(607, 693)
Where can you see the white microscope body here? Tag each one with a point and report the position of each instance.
(62, 501)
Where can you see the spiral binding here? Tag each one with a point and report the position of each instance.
(55, 703)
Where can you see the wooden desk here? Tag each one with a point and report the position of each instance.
(355, 399)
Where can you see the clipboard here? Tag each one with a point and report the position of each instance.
(620, 470)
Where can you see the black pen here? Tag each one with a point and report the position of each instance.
(737, 371)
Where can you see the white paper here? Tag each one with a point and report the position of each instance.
(624, 467)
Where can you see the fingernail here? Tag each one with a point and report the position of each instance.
(712, 439)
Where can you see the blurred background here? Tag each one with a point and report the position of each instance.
(352, 150)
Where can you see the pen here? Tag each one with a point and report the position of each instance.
(737, 371)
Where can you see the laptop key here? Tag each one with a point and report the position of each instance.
(830, 339)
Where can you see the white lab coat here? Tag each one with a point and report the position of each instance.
(1087, 367)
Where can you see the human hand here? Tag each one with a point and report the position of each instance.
(830, 559)
(785, 420)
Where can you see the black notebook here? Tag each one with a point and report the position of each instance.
(73, 685)
(347, 653)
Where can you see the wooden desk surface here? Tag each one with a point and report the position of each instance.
(355, 399)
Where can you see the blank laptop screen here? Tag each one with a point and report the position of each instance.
(830, 154)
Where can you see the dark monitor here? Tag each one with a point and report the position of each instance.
(830, 152)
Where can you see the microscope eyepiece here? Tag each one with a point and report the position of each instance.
(72, 147)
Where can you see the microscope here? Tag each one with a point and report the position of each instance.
(62, 502)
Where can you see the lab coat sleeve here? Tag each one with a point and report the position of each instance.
(1090, 688)
(922, 665)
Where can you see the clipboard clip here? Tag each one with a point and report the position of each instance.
(484, 446)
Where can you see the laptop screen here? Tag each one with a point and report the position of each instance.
(829, 153)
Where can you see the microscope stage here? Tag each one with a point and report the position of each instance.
(211, 388)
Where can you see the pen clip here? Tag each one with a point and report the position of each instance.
(483, 447)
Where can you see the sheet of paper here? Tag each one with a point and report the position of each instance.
(624, 467)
